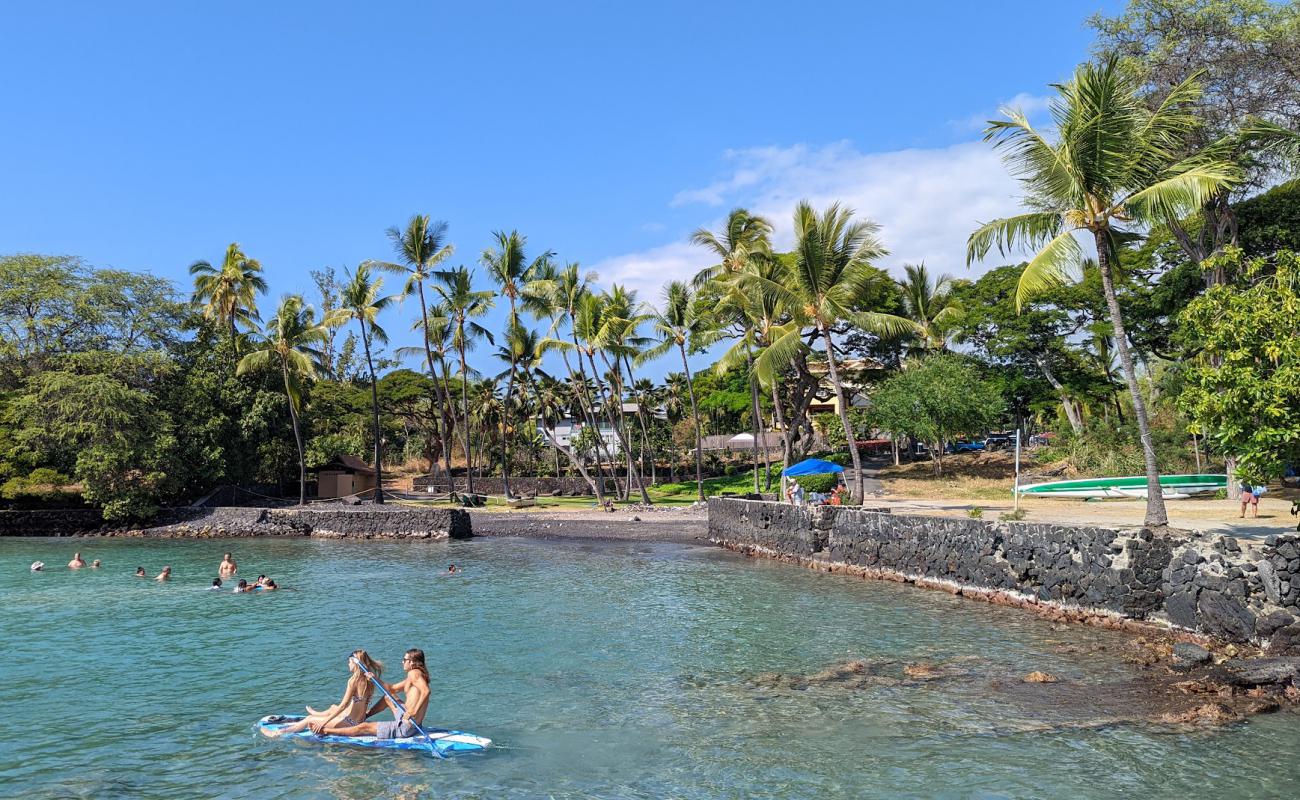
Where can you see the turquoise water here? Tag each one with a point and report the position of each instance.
(601, 670)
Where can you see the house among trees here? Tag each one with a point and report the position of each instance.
(343, 476)
(852, 372)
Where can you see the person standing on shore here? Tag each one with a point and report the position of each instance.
(76, 562)
(228, 568)
(1249, 498)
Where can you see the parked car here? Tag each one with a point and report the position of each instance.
(997, 441)
(965, 447)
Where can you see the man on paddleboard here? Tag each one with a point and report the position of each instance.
(415, 699)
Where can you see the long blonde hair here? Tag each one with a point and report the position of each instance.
(366, 688)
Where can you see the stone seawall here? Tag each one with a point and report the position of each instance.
(1203, 583)
(224, 522)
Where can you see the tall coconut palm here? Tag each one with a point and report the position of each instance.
(928, 301)
(681, 324)
(510, 268)
(421, 246)
(744, 236)
(1113, 169)
(228, 294)
(557, 294)
(292, 342)
(360, 300)
(462, 304)
(830, 271)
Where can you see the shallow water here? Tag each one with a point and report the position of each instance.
(601, 670)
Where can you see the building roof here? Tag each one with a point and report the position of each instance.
(346, 463)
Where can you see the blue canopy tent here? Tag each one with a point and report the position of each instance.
(811, 466)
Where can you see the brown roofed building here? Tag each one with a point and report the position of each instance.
(342, 476)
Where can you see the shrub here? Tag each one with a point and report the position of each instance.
(1013, 516)
(818, 483)
(975, 513)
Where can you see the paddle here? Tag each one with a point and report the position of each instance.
(399, 707)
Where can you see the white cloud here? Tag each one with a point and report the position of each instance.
(926, 200)
(1032, 106)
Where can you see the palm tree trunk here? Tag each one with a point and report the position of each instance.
(591, 409)
(555, 444)
(505, 426)
(297, 438)
(858, 488)
(785, 433)
(1156, 516)
(699, 437)
(645, 432)
(447, 413)
(588, 413)
(757, 425)
(374, 405)
(464, 405)
(622, 440)
(437, 391)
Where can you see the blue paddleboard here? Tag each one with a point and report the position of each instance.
(444, 741)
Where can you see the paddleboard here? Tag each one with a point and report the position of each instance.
(446, 742)
(1173, 487)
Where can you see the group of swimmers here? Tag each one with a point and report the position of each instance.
(225, 571)
(350, 716)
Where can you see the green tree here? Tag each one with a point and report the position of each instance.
(934, 402)
(422, 246)
(1244, 391)
(1247, 60)
(361, 301)
(830, 272)
(679, 324)
(292, 342)
(229, 293)
(1115, 165)
(929, 302)
(462, 304)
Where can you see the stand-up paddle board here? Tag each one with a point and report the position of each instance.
(446, 742)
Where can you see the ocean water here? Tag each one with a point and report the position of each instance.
(613, 670)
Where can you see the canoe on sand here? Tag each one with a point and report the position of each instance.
(1171, 486)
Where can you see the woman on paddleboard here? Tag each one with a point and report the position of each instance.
(356, 698)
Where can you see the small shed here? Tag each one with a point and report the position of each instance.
(342, 476)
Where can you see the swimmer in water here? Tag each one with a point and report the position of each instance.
(216, 585)
(453, 569)
(95, 564)
(139, 572)
(165, 575)
(228, 567)
(76, 562)
(243, 587)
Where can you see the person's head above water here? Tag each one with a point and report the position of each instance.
(243, 584)
(95, 563)
(139, 571)
(216, 583)
(226, 557)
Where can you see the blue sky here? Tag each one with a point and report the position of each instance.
(145, 136)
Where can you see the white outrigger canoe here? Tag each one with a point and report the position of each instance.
(1172, 487)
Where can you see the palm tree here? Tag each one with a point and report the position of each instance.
(229, 293)
(292, 341)
(557, 295)
(831, 270)
(1114, 167)
(744, 236)
(929, 303)
(741, 246)
(360, 300)
(462, 304)
(421, 246)
(681, 325)
(510, 268)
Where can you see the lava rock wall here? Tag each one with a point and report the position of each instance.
(1206, 583)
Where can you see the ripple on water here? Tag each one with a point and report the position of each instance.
(608, 670)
